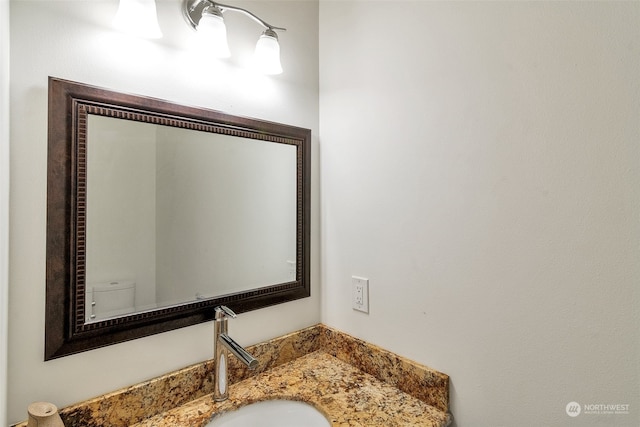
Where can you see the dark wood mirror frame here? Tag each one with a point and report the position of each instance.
(69, 104)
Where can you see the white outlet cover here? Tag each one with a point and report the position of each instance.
(360, 294)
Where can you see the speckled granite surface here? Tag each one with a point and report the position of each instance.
(344, 394)
(352, 382)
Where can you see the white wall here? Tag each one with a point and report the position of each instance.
(480, 165)
(121, 206)
(4, 201)
(74, 40)
(243, 252)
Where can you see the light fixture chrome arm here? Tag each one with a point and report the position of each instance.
(246, 12)
(192, 12)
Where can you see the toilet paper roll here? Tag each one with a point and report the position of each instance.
(44, 414)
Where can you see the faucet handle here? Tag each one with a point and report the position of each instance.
(223, 310)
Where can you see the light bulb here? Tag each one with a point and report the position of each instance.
(266, 58)
(139, 18)
(212, 33)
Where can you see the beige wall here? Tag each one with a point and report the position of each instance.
(4, 200)
(73, 40)
(480, 165)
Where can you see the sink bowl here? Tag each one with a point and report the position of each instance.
(272, 413)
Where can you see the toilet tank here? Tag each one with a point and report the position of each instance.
(111, 299)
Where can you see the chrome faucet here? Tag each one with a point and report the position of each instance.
(222, 344)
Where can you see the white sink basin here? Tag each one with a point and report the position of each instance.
(272, 413)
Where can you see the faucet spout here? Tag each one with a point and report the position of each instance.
(238, 351)
(222, 345)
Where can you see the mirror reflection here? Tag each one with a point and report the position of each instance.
(177, 215)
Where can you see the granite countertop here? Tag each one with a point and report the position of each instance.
(344, 394)
(352, 382)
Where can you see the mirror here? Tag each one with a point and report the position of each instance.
(158, 212)
(178, 215)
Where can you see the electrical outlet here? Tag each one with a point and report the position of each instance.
(360, 294)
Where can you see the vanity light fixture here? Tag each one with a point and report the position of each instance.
(206, 17)
(138, 17)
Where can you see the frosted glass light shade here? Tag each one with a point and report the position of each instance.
(266, 58)
(138, 17)
(213, 35)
